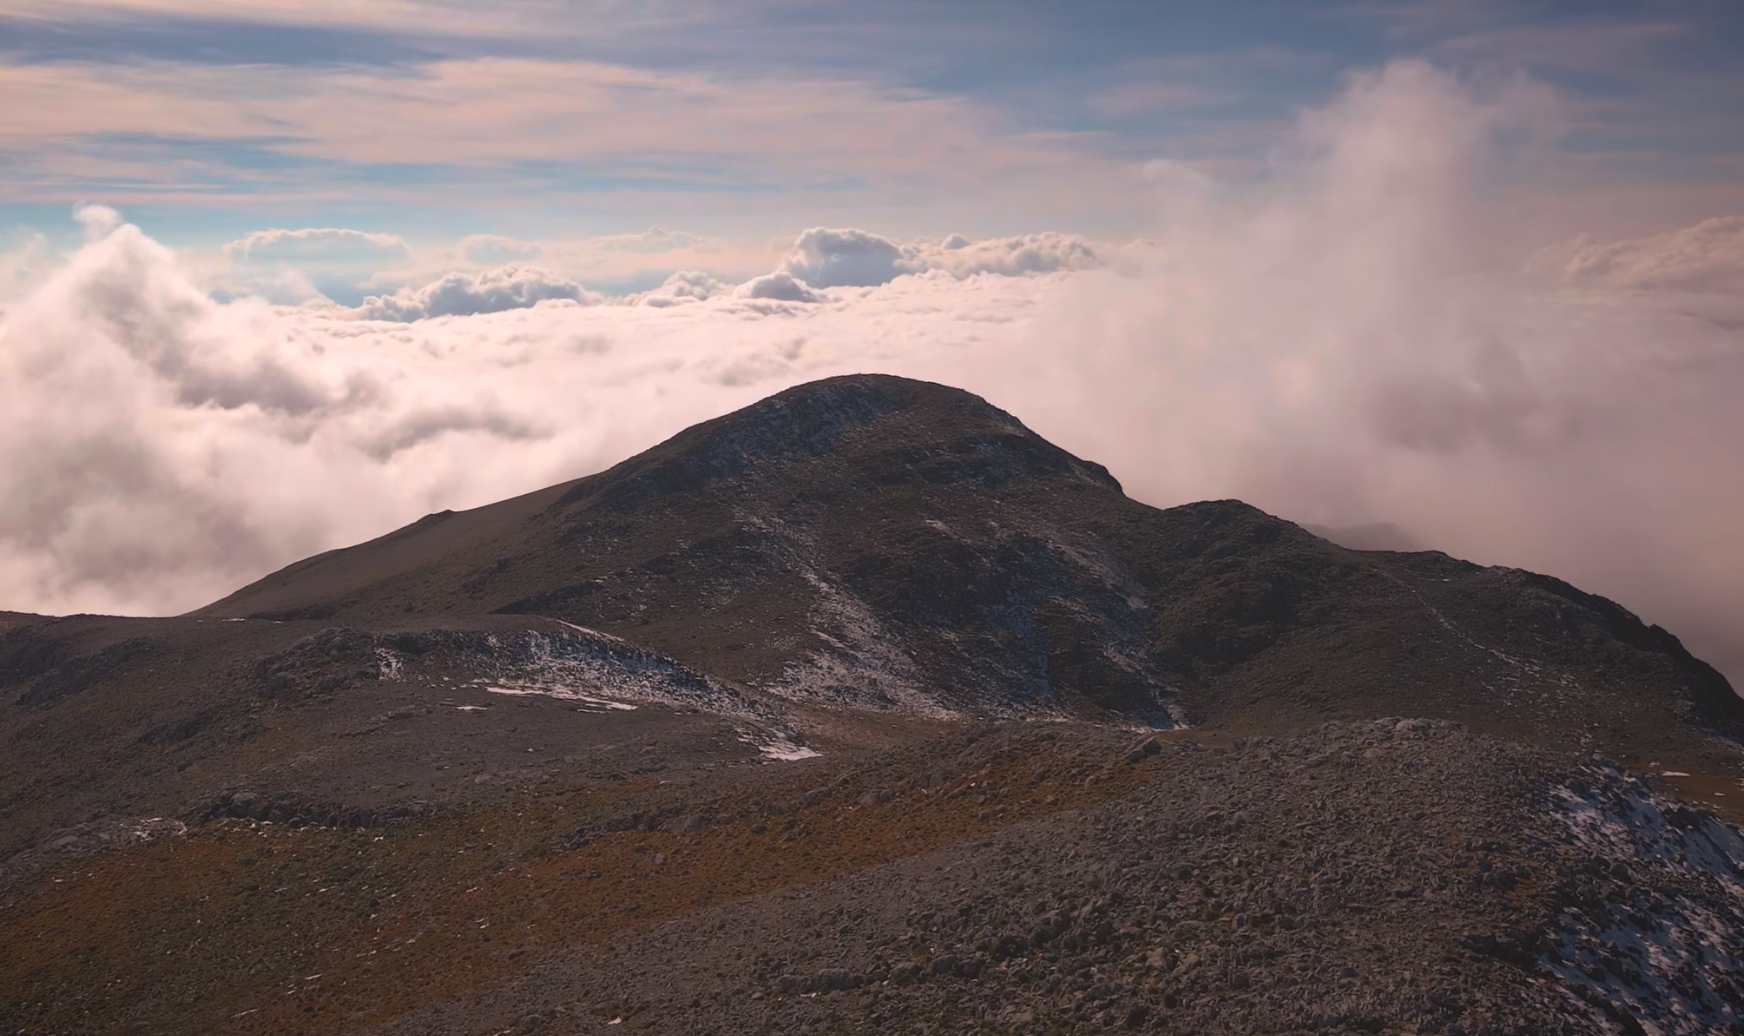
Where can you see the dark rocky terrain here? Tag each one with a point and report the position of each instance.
(866, 709)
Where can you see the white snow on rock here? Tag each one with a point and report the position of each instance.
(587, 701)
(858, 664)
(1670, 949)
(597, 669)
(776, 745)
(605, 674)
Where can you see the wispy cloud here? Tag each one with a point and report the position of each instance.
(553, 128)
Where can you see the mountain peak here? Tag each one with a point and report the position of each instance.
(852, 429)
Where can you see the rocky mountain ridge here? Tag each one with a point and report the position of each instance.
(905, 545)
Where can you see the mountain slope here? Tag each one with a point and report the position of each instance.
(740, 735)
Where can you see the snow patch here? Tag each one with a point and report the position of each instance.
(599, 670)
(776, 745)
(1626, 821)
(588, 701)
(859, 664)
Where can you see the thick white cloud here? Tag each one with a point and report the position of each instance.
(1349, 346)
(852, 258)
(467, 294)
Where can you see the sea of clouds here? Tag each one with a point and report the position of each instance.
(1362, 339)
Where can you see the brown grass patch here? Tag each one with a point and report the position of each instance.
(259, 929)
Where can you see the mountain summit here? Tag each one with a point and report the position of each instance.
(866, 709)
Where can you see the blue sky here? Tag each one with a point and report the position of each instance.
(205, 120)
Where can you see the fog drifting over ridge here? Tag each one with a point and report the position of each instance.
(1361, 342)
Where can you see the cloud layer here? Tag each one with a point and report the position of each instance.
(1351, 344)
(489, 273)
(825, 258)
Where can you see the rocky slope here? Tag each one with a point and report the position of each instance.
(867, 709)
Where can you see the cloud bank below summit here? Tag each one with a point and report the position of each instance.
(820, 258)
(1349, 346)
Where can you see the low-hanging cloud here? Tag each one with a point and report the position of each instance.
(1347, 346)
(467, 294)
